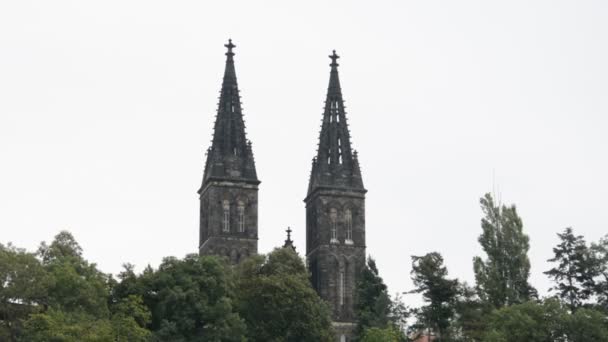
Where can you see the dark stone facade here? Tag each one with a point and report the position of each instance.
(335, 203)
(335, 213)
(229, 193)
(235, 240)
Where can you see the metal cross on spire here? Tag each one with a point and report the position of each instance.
(289, 233)
(334, 59)
(230, 46)
(288, 242)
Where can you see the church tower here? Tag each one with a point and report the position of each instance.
(229, 193)
(335, 213)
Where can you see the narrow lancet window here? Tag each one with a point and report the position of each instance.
(333, 221)
(348, 221)
(241, 216)
(341, 290)
(226, 221)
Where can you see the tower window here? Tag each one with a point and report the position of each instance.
(333, 222)
(348, 221)
(241, 216)
(341, 288)
(226, 221)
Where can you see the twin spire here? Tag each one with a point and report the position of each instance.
(336, 164)
(230, 156)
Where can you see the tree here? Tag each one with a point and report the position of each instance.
(502, 278)
(23, 289)
(129, 319)
(372, 304)
(388, 334)
(586, 325)
(77, 285)
(190, 299)
(529, 321)
(75, 305)
(277, 301)
(470, 313)
(376, 311)
(66, 326)
(599, 252)
(430, 278)
(575, 272)
(549, 321)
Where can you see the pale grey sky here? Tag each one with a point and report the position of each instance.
(106, 109)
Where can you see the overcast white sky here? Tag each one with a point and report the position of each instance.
(107, 107)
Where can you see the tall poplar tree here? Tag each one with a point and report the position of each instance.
(502, 278)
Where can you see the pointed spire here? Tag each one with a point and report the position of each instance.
(230, 155)
(288, 242)
(335, 164)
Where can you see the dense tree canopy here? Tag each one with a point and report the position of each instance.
(24, 288)
(277, 301)
(545, 322)
(57, 295)
(191, 299)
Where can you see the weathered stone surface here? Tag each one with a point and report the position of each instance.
(233, 243)
(335, 214)
(229, 193)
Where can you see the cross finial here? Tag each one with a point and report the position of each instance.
(288, 242)
(230, 46)
(288, 233)
(334, 59)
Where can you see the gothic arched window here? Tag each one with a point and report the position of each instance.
(226, 221)
(241, 216)
(333, 223)
(348, 221)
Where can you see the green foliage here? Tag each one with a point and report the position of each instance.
(277, 301)
(470, 313)
(388, 334)
(529, 321)
(545, 322)
(57, 295)
(64, 246)
(76, 285)
(61, 297)
(575, 272)
(599, 252)
(430, 278)
(129, 319)
(586, 325)
(191, 300)
(372, 305)
(59, 326)
(502, 278)
(23, 289)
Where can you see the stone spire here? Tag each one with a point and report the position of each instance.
(336, 164)
(230, 155)
(289, 242)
